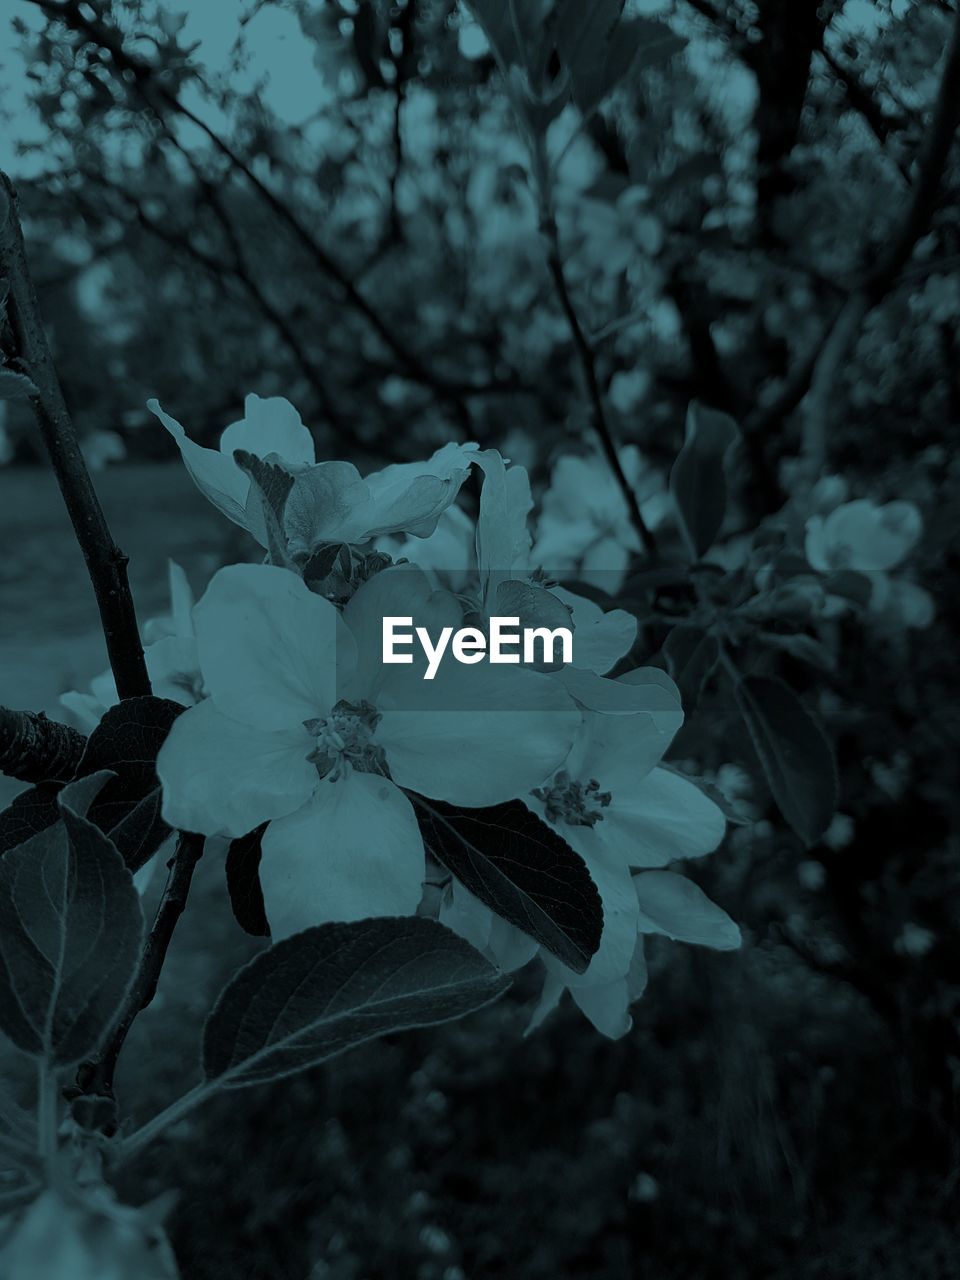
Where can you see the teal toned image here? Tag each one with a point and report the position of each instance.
(478, 684)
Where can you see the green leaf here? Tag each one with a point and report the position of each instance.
(127, 808)
(526, 873)
(583, 31)
(795, 753)
(692, 653)
(243, 882)
(127, 742)
(336, 986)
(71, 931)
(30, 812)
(802, 647)
(502, 31)
(698, 481)
(270, 486)
(16, 386)
(599, 48)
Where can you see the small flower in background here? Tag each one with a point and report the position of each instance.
(629, 388)
(616, 233)
(863, 536)
(584, 522)
(840, 832)
(915, 940)
(306, 729)
(876, 540)
(100, 448)
(170, 650)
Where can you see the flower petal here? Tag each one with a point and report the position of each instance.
(411, 496)
(662, 818)
(503, 540)
(353, 851)
(502, 943)
(674, 906)
(403, 591)
(600, 639)
(215, 474)
(269, 647)
(619, 752)
(607, 1007)
(270, 425)
(646, 690)
(322, 505)
(474, 735)
(609, 869)
(173, 666)
(221, 777)
(466, 915)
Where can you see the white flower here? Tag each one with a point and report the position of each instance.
(864, 536)
(627, 818)
(446, 555)
(875, 540)
(270, 426)
(171, 656)
(585, 523)
(508, 587)
(307, 729)
(329, 501)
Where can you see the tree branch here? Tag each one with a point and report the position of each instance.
(860, 98)
(133, 72)
(588, 366)
(933, 159)
(35, 749)
(96, 1077)
(106, 563)
(820, 367)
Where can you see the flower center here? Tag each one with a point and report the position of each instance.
(578, 803)
(344, 741)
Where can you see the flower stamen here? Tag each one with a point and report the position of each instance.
(344, 741)
(579, 804)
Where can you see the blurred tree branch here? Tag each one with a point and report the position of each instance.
(880, 122)
(106, 563)
(841, 336)
(587, 360)
(136, 75)
(235, 269)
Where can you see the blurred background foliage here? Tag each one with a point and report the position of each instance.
(331, 202)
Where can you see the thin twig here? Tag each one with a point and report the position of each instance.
(588, 366)
(106, 563)
(139, 75)
(96, 1077)
(35, 749)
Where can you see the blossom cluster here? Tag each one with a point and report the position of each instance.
(296, 726)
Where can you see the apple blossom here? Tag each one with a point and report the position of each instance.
(306, 729)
